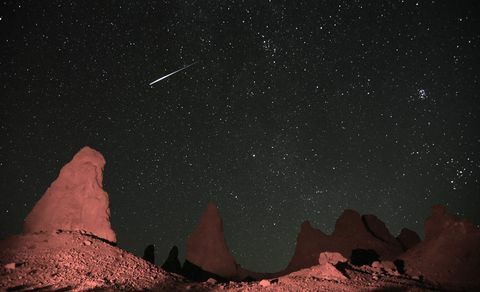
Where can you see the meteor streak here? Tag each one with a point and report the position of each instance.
(170, 74)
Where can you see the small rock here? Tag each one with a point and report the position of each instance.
(211, 281)
(331, 258)
(264, 283)
(10, 266)
(377, 265)
(327, 271)
(388, 265)
(87, 242)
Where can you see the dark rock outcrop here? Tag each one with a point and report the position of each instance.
(172, 264)
(75, 201)
(195, 273)
(363, 257)
(149, 254)
(378, 229)
(408, 238)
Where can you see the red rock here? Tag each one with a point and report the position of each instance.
(310, 243)
(10, 266)
(206, 246)
(331, 258)
(408, 238)
(264, 283)
(211, 281)
(450, 253)
(75, 200)
(378, 229)
(349, 223)
(441, 221)
(326, 271)
(351, 232)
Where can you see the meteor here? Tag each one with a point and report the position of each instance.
(170, 74)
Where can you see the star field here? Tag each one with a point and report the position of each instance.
(295, 110)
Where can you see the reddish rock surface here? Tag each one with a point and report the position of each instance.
(207, 248)
(352, 231)
(408, 238)
(61, 261)
(450, 253)
(75, 200)
(324, 271)
(71, 260)
(51, 261)
(378, 229)
(331, 258)
(72, 253)
(440, 221)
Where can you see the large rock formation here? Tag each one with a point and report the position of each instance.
(450, 253)
(408, 238)
(352, 231)
(206, 246)
(75, 200)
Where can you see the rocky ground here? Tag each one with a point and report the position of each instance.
(75, 261)
(72, 261)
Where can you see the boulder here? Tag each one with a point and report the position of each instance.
(328, 271)
(331, 258)
(264, 283)
(75, 201)
(325, 271)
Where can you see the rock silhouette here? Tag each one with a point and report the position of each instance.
(206, 246)
(172, 264)
(352, 231)
(378, 229)
(362, 257)
(195, 273)
(408, 238)
(149, 254)
(75, 200)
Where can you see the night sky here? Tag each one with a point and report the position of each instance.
(293, 111)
